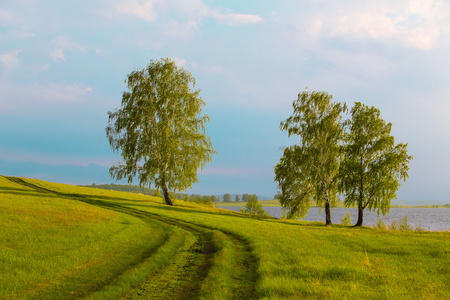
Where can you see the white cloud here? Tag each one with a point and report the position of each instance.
(10, 60)
(61, 93)
(180, 62)
(7, 17)
(416, 24)
(144, 10)
(238, 19)
(191, 10)
(181, 31)
(61, 44)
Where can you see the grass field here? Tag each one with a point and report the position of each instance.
(65, 242)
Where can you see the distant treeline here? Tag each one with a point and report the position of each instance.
(422, 206)
(205, 199)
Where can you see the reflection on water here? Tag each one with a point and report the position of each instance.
(434, 219)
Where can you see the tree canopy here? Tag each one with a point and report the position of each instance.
(159, 130)
(372, 166)
(254, 207)
(227, 198)
(308, 171)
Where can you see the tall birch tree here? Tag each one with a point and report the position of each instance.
(307, 172)
(373, 165)
(159, 130)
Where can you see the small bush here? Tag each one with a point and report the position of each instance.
(394, 225)
(404, 224)
(401, 224)
(346, 219)
(419, 227)
(254, 207)
(379, 224)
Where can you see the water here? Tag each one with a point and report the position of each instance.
(433, 219)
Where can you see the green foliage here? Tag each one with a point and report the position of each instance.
(159, 130)
(207, 201)
(214, 198)
(227, 198)
(254, 207)
(307, 171)
(404, 225)
(380, 224)
(237, 199)
(346, 219)
(419, 227)
(245, 197)
(401, 224)
(372, 165)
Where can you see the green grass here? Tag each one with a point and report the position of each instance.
(62, 241)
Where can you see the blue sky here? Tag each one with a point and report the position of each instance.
(63, 65)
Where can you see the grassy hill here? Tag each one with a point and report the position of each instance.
(64, 242)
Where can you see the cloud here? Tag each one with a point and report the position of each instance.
(180, 30)
(193, 11)
(7, 17)
(144, 10)
(416, 24)
(180, 62)
(62, 44)
(238, 19)
(61, 93)
(40, 95)
(10, 60)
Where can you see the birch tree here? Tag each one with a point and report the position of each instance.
(373, 165)
(159, 130)
(307, 171)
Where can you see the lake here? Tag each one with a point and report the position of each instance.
(432, 219)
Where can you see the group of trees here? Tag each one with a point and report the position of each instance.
(245, 198)
(160, 133)
(355, 157)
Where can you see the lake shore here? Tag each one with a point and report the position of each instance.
(275, 203)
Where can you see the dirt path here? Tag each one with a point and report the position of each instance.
(183, 276)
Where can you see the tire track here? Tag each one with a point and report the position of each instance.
(183, 276)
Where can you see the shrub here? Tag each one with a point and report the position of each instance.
(379, 224)
(419, 227)
(254, 207)
(401, 224)
(404, 224)
(346, 219)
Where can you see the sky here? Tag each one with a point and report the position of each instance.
(63, 66)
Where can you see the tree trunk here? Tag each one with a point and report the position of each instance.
(327, 205)
(166, 194)
(360, 216)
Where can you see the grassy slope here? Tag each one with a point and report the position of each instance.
(66, 241)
